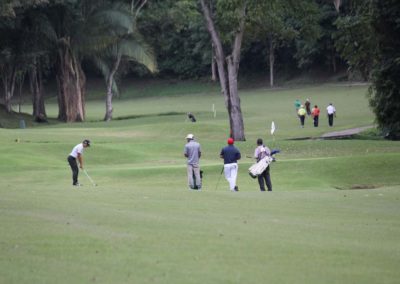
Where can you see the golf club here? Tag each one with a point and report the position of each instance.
(94, 184)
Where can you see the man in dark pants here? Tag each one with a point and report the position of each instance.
(261, 152)
(331, 111)
(302, 115)
(76, 154)
(315, 114)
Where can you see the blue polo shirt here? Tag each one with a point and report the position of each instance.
(231, 154)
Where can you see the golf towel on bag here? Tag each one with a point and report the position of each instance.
(260, 167)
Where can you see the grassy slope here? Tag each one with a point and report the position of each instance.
(141, 225)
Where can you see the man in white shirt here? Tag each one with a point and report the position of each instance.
(331, 113)
(77, 154)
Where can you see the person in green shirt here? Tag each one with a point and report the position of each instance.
(297, 105)
(302, 115)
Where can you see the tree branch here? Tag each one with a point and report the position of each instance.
(137, 7)
(237, 44)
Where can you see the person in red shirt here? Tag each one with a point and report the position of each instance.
(315, 114)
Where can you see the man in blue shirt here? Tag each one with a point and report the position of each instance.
(231, 155)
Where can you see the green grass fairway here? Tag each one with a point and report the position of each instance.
(333, 216)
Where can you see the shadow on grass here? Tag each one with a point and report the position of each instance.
(172, 113)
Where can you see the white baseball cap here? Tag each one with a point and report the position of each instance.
(190, 136)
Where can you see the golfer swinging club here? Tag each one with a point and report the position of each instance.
(77, 153)
(193, 153)
(231, 154)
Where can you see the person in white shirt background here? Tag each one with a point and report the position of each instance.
(331, 113)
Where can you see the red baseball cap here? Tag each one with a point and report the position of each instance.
(230, 141)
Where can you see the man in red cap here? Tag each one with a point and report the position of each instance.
(231, 155)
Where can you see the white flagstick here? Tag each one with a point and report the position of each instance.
(214, 110)
(273, 131)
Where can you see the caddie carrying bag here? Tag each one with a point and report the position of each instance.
(258, 168)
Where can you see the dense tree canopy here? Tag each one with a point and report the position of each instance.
(182, 43)
(385, 99)
(44, 37)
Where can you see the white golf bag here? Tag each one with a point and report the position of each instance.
(258, 168)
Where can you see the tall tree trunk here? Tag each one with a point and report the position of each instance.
(271, 63)
(71, 82)
(213, 65)
(110, 82)
(39, 109)
(334, 66)
(235, 111)
(8, 76)
(21, 80)
(337, 4)
(228, 69)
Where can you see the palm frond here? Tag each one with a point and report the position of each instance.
(102, 29)
(101, 64)
(134, 50)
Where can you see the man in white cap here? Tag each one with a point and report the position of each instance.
(76, 154)
(193, 153)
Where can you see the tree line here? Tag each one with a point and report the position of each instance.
(220, 39)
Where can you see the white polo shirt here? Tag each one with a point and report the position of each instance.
(331, 109)
(78, 149)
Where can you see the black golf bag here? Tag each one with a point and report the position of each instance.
(191, 117)
(194, 179)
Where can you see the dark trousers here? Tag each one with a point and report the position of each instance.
(330, 119)
(316, 121)
(75, 170)
(265, 176)
(302, 118)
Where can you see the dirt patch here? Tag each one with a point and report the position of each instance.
(359, 186)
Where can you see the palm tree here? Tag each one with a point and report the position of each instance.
(127, 46)
(82, 28)
(130, 48)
